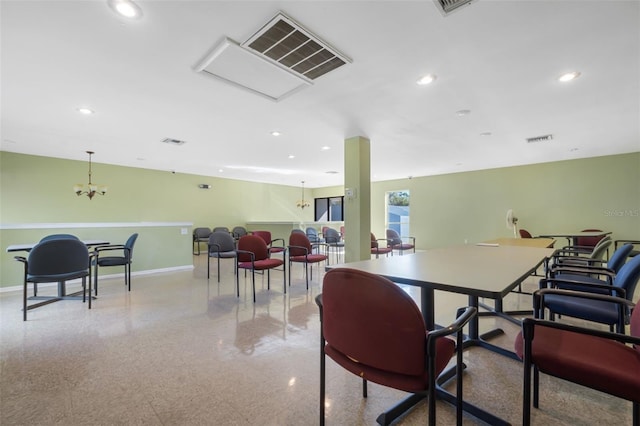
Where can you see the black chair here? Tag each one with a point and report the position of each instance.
(124, 259)
(634, 251)
(55, 260)
(59, 237)
(334, 242)
(239, 231)
(200, 235)
(221, 246)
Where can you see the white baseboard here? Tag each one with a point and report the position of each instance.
(106, 277)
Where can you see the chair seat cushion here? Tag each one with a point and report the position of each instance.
(403, 246)
(57, 277)
(112, 261)
(593, 310)
(578, 358)
(311, 258)
(223, 254)
(261, 264)
(583, 278)
(445, 349)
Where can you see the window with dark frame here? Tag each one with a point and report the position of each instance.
(329, 209)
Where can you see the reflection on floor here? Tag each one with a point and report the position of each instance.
(183, 350)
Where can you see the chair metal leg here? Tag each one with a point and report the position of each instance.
(364, 388)
(322, 380)
(218, 269)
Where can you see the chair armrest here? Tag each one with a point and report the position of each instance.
(585, 270)
(306, 251)
(539, 295)
(529, 323)
(252, 254)
(20, 259)
(109, 247)
(464, 315)
(544, 284)
(277, 239)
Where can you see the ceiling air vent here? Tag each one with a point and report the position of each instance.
(277, 61)
(173, 141)
(536, 139)
(448, 6)
(287, 43)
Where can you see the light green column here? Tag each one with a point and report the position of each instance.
(357, 198)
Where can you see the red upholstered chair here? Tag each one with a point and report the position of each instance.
(376, 249)
(605, 361)
(253, 254)
(301, 251)
(588, 241)
(372, 328)
(266, 236)
(525, 234)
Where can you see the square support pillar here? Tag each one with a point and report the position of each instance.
(357, 198)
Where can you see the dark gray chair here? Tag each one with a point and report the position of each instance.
(59, 237)
(334, 242)
(221, 246)
(200, 235)
(124, 259)
(239, 231)
(55, 260)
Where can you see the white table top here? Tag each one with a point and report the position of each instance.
(483, 271)
(29, 246)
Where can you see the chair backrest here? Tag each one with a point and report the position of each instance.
(588, 241)
(299, 239)
(600, 249)
(331, 236)
(393, 237)
(370, 319)
(201, 233)
(221, 241)
(525, 234)
(312, 234)
(59, 237)
(129, 244)
(628, 276)
(298, 231)
(221, 229)
(374, 243)
(254, 244)
(634, 325)
(58, 257)
(239, 231)
(619, 257)
(265, 235)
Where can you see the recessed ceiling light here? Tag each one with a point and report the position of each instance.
(463, 112)
(85, 111)
(485, 134)
(426, 79)
(325, 148)
(291, 156)
(573, 149)
(569, 76)
(220, 171)
(275, 133)
(331, 172)
(125, 8)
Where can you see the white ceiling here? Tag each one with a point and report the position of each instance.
(498, 59)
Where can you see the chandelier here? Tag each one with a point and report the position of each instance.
(90, 189)
(302, 203)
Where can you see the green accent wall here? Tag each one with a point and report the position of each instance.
(602, 192)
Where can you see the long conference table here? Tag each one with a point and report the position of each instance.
(489, 270)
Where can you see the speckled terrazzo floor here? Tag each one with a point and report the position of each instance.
(183, 350)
